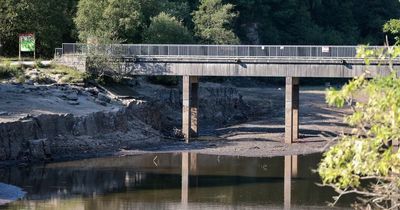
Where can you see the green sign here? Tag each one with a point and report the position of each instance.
(27, 42)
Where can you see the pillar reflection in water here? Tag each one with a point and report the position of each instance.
(291, 170)
(185, 179)
(189, 164)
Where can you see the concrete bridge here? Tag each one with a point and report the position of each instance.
(194, 61)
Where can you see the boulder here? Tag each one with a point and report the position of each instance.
(103, 97)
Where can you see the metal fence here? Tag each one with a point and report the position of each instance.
(58, 52)
(213, 50)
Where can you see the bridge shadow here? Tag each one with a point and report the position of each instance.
(137, 68)
(230, 132)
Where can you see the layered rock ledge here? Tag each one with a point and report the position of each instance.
(77, 122)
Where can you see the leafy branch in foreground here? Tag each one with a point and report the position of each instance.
(366, 162)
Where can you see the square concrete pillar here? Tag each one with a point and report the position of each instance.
(190, 106)
(186, 121)
(291, 109)
(194, 106)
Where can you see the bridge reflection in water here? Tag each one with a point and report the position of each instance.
(189, 164)
(171, 181)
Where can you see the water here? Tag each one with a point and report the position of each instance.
(171, 181)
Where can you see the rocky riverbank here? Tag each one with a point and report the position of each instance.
(55, 122)
(44, 122)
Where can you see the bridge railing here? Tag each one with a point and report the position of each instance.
(58, 52)
(305, 51)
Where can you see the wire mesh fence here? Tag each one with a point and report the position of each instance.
(129, 50)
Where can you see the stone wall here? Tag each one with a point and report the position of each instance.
(75, 61)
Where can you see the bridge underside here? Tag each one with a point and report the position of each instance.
(190, 105)
(294, 68)
(328, 68)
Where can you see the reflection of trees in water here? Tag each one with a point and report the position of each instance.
(137, 180)
(44, 183)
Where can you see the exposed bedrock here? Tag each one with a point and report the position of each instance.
(218, 106)
(49, 136)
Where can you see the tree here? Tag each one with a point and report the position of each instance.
(122, 19)
(213, 21)
(49, 20)
(392, 27)
(89, 18)
(367, 155)
(166, 29)
(179, 9)
(108, 19)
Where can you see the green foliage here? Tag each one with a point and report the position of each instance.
(8, 71)
(179, 9)
(69, 75)
(213, 21)
(89, 18)
(51, 21)
(166, 29)
(314, 21)
(39, 64)
(122, 19)
(367, 153)
(108, 19)
(102, 66)
(392, 27)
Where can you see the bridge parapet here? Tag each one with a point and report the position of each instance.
(239, 51)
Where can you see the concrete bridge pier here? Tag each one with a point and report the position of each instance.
(190, 106)
(291, 110)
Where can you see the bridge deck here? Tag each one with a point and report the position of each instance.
(233, 60)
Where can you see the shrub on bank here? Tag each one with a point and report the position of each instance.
(9, 71)
(69, 75)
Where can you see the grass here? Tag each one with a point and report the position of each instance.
(8, 59)
(7, 72)
(69, 75)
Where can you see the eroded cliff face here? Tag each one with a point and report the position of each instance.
(218, 106)
(52, 122)
(50, 136)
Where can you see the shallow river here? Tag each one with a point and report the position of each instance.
(171, 181)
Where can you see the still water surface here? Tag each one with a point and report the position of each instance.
(171, 181)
